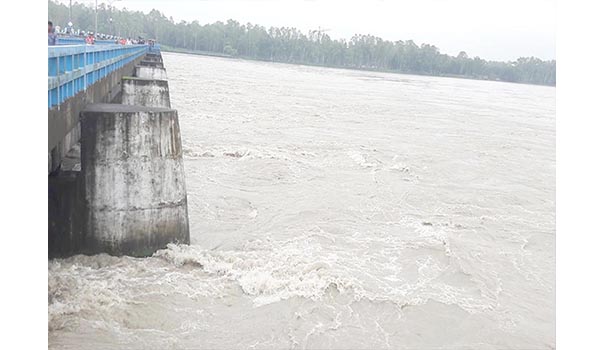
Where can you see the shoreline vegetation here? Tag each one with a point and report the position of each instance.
(166, 48)
(290, 45)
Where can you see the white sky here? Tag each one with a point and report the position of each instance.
(491, 29)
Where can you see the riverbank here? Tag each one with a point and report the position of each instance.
(167, 48)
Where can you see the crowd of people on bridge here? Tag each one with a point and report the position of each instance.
(56, 32)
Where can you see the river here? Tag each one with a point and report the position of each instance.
(340, 209)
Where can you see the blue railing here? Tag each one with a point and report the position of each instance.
(72, 68)
(79, 40)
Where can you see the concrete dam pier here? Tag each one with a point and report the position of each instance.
(149, 92)
(134, 181)
(121, 188)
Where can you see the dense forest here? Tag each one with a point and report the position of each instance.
(290, 45)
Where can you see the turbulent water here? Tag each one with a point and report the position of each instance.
(337, 209)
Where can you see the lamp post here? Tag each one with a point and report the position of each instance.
(110, 8)
(96, 22)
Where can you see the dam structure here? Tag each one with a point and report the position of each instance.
(116, 180)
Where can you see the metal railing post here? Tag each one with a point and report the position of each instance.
(58, 79)
(85, 68)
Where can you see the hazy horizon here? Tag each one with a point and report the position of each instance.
(491, 30)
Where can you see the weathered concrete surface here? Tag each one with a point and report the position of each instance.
(63, 120)
(149, 63)
(146, 92)
(134, 179)
(148, 72)
(57, 154)
(153, 57)
(66, 215)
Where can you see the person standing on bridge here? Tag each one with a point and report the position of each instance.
(51, 34)
(90, 40)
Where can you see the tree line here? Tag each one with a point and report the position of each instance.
(290, 45)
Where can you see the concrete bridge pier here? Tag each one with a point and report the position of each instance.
(149, 72)
(151, 63)
(133, 178)
(153, 58)
(145, 92)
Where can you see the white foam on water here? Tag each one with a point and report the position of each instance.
(360, 159)
(307, 266)
(406, 272)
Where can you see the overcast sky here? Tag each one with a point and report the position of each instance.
(491, 29)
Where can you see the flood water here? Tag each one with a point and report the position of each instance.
(337, 209)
